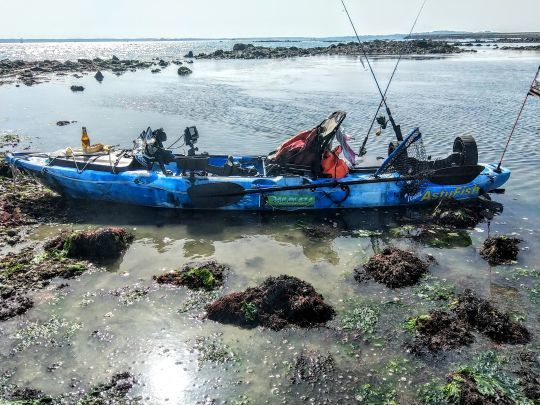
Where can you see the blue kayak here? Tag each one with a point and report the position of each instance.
(252, 182)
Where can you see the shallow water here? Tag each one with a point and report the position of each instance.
(250, 107)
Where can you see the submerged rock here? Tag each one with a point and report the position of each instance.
(452, 213)
(113, 392)
(322, 231)
(13, 304)
(102, 244)
(500, 249)
(206, 275)
(277, 303)
(312, 367)
(25, 395)
(63, 123)
(183, 71)
(393, 267)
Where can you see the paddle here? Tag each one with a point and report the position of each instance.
(221, 194)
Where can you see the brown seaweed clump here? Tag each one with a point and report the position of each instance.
(447, 330)
(392, 267)
(207, 275)
(500, 249)
(277, 303)
(100, 245)
(488, 320)
(457, 214)
(441, 329)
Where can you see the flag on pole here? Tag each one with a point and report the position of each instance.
(535, 86)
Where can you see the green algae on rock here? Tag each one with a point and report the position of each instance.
(29, 270)
(207, 275)
(101, 245)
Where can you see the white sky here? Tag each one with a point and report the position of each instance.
(255, 18)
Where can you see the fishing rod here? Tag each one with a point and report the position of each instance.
(362, 150)
(529, 93)
(396, 128)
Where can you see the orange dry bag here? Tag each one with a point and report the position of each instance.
(332, 165)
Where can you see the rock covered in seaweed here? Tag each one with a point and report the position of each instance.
(470, 394)
(393, 267)
(376, 47)
(460, 214)
(441, 330)
(447, 330)
(277, 303)
(500, 249)
(102, 244)
(488, 320)
(206, 275)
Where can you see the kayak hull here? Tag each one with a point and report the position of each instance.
(154, 189)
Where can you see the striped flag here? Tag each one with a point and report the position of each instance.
(535, 86)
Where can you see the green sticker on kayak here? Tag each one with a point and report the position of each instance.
(298, 200)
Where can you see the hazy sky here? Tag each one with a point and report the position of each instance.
(251, 18)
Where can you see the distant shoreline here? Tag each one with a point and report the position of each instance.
(436, 35)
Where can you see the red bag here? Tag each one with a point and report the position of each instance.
(332, 165)
(300, 150)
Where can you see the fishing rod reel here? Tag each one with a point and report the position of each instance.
(191, 136)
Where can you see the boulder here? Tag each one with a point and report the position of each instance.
(183, 71)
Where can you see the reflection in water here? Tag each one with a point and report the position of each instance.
(198, 249)
(167, 379)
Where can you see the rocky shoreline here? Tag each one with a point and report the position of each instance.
(35, 72)
(373, 48)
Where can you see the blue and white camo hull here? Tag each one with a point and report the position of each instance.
(154, 189)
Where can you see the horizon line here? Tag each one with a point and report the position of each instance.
(97, 39)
